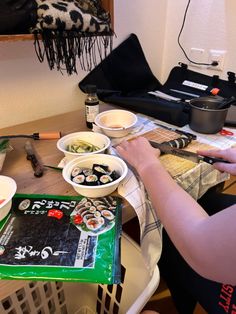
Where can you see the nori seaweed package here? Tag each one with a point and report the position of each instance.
(68, 238)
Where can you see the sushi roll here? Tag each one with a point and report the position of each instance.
(97, 214)
(99, 170)
(82, 210)
(76, 171)
(95, 224)
(85, 212)
(114, 175)
(112, 200)
(87, 217)
(92, 180)
(92, 209)
(80, 179)
(107, 214)
(101, 207)
(104, 179)
(98, 202)
(87, 172)
(83, 201)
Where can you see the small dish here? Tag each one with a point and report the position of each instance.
(116, 122)
(7, 191)
(67, 144)
(114, 163)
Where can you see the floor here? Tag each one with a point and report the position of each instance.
(161, 301)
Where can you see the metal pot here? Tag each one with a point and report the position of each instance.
(208, 114)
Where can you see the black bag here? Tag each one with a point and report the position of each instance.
(187, 84)
(124, 78)
(17, 16)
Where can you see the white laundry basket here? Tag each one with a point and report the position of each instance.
(129, 297)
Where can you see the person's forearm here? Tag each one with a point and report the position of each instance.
(206, 242)
(178, 211)
(198, 237)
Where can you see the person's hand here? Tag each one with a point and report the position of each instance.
(138, 153)
(228, 154)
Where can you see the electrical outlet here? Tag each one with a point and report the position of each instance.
(217, 56)
(196, 55)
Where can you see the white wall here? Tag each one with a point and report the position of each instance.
(210, 24)
(29, 90)
(147, 20)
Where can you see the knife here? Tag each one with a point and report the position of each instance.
(167, 149)
(31, 155)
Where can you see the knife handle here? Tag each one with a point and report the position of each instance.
(38, 168)
(46, 135)
(212, 160)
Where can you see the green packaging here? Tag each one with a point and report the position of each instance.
(67, 238)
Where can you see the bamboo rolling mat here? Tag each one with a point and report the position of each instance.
(175, 165)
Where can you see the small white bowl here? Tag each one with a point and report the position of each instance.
(7, 191)
(93, 138)
(113, 162)
(116, 122)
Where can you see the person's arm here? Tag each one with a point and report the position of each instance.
(207, 243)
(227, 154)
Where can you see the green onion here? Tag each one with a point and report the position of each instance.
(4, 144)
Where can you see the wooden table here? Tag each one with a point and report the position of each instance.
(19, 168)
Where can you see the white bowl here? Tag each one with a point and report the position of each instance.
(113, 162)
(7, 191)
(93, 138)
(116, 122)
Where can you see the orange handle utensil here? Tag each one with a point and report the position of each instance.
(46, 135)
(36, 136)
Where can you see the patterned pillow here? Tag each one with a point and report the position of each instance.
(68, 15)
(95, 8)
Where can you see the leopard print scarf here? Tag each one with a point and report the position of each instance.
(71, 29)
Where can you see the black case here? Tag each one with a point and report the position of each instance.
(124, 78)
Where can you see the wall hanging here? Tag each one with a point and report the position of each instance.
(64, 30)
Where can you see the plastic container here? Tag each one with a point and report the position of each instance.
(113, 162)
(129, 297)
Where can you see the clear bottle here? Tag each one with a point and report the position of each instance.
(91, 105)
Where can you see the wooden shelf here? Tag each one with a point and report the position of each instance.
(16, 37)
(108, 5)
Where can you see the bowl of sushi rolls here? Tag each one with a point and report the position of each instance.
(7, 191)
(96, 175)
(83, 143)
(116, 122)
